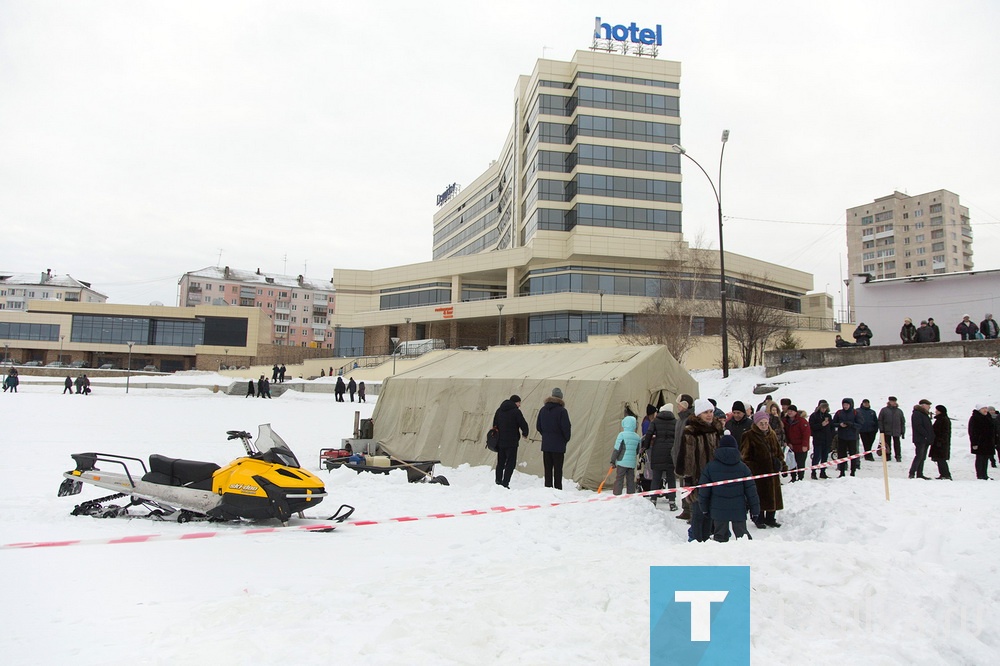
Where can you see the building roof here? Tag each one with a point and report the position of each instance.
(44, 280)
(259, 277)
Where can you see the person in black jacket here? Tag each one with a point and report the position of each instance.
(339, 389)
(863, 335)
(731, 502)
(988, 327)
(554, 427)
(511, 425)
(925, 333)
(847, 423)
(982, 439)
(967, 328)
(922, 432)
(821, 426)
(740, 421)
(869, 427)
(352, 388)
(659, 439)
(908, 333)
(934, 327)
(941, 448)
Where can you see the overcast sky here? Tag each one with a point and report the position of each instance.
(140, 140)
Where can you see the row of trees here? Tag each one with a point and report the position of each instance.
(756, 321)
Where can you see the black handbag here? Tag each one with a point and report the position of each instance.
(493, 439)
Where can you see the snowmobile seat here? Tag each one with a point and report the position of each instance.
(178, 472)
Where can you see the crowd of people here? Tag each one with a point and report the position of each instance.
(928, 331)
(698, 444)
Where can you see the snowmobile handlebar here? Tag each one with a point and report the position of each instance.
(238, 434)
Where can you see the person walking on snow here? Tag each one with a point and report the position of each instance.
(941, 448)
(68, 385)
(624, 455)
(659, 441)
(511, 426)
(554, 427)
(352, 387)
(361, 391)
(728, 503)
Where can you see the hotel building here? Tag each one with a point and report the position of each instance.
(570, 232)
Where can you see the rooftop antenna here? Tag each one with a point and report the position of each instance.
(218, 262)
(305, 267)
(284, 265)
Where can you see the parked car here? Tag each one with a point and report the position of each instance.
(107, 366)
(9, 361)
(55, 364)
(33, 364)
(150, 368)
(79, 364)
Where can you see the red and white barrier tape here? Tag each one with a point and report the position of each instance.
(325, 526)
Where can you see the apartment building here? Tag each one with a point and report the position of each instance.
(905, 236)
(298, 307)
(16, 289)
(569, 233)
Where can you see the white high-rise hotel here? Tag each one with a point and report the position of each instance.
(569, 232)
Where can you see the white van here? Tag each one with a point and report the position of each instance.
(418, 347)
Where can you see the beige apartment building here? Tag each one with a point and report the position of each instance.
(569, 233)
(16, 289)
(904, 236)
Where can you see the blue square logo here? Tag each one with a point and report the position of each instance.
(699, 615)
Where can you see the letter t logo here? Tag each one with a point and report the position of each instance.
(701, 610)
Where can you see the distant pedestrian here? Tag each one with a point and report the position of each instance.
(68, 385)
(330, 374)
(250, 391)
(86, 385)
(260, 386)
(624, 456)
(267, 389)
(925, 333)
(988, 327)
(274, 373)
(868, 428)
(659, 442)
(841, 342)
(982, 439)
(281, 373)
(510, 423)
(78, 382)
(908, 333)
(892, 425)
(11, 381)
(922, 433)
(934, 327)
(966, 328)
(339, 389)
(554, 427)
(361, 391)
(863, 335)
(728, 503)
(352, 388)
(941, 448)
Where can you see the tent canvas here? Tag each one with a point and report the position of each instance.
(442, 410)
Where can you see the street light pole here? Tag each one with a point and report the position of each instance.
(722, 254)
(395, 347)
(499, 324)
(128, 370)
(61, 338)
(600, 322)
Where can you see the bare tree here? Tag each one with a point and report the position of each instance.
(756, 316)
(669, 318)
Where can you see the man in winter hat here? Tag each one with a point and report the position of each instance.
(739, 423)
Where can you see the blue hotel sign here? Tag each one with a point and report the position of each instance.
(630, 32)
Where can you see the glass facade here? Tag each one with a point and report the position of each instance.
(27, 331)
(349, 342)
(575, 327)
(161, 332)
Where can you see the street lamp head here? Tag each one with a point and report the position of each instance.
(725, 136)
(500, 307)
(678, 148)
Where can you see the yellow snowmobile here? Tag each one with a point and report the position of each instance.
(266, 483)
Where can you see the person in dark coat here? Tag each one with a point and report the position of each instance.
(511, 427)
(892, 425)
(68, 385)
(361, 391)
(260, 386)
(982, 439)
(988, 327)
(868, 430)
(274, 373)
(339, 388)
(862, 335)
(352, 387)
(250, 390)
(934, 327)
(659, 442)
(967, 328)
(697, 449)
(759, 449)
(908, 333)
(821, 427)
(941, 448)
(281, 374)
(797, 434)
(925, 333)
(841, 342)
(740, 422)
(728, 503)
(554, 427)
(266, 389)
(648, 419)
(922, 433)
(79, 384)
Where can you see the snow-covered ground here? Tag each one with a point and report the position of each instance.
(848, 578)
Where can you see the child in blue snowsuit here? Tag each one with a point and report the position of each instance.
(626, 445)
(728, 503)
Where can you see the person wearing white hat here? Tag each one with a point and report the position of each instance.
(967, 328)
